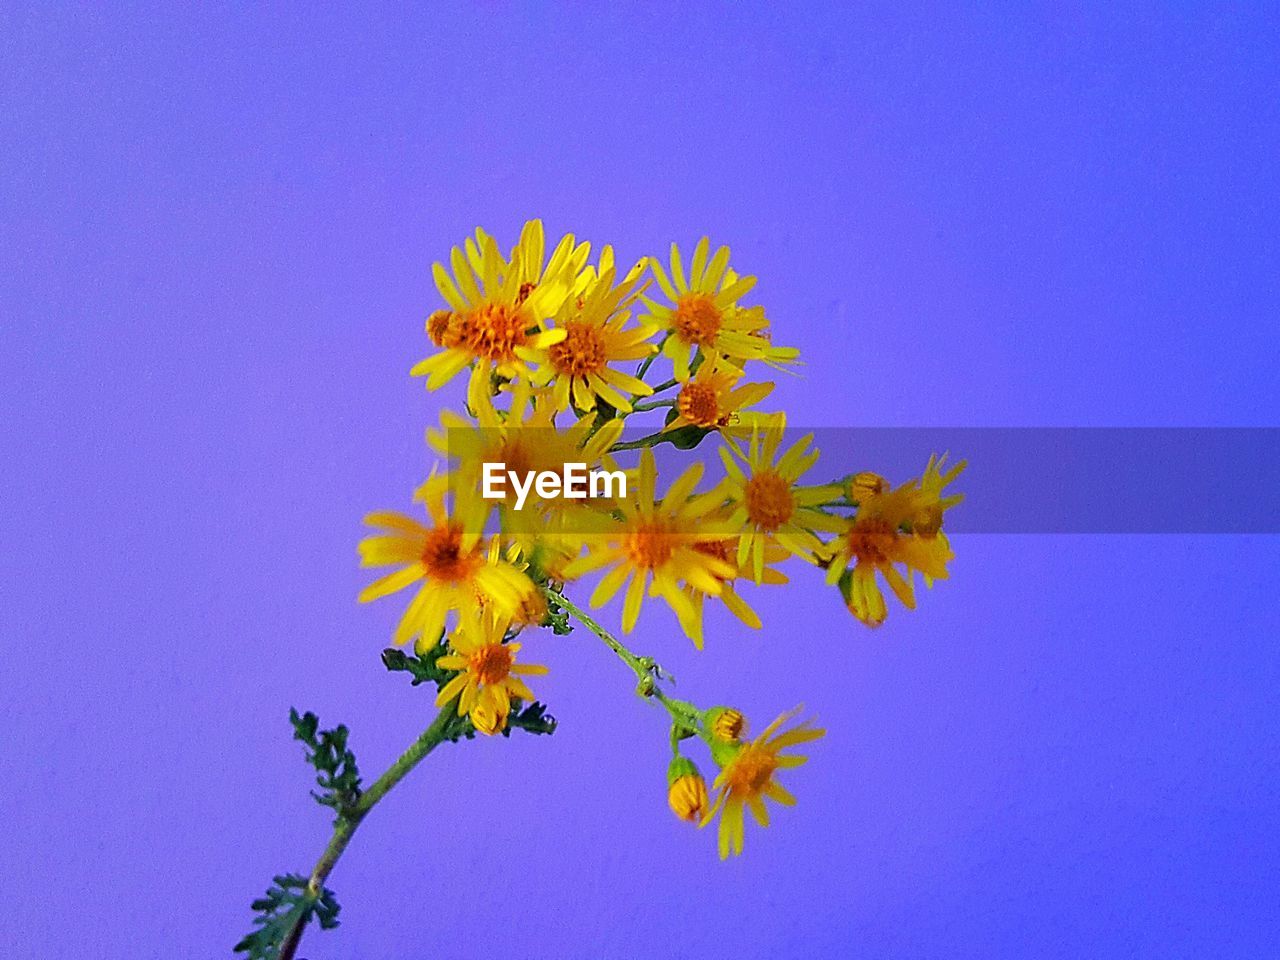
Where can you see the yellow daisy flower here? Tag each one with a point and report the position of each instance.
(726, 550)
(489, 677)
(768, 505)
(448, 559)
(525, 438)
(499, 308)
(710, 398)
(747, 778)
(883, 536)
(596, 335)
(704, 313)
(656, 541)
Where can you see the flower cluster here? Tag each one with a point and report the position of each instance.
(560, 351)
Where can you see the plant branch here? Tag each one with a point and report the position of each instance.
(648, 672)
(444, 727)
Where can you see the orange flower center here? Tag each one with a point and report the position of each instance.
(871, 541)
(699, 404)
(494, 330)
(750, 771)
(490, 664)
(769, 500)
(443, 558)
(650, 546)
(697, 319)
(582, 350)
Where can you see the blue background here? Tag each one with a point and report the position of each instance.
(215, 232)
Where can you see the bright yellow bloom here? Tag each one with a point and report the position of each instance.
(499, 308)
(767, 504)
(489, 676)
(726, 549)
(705, 315)
(448, 559)
(526, 439)
(709, 398)
(596, 335)
(747, 777)
(656, 540)
(899, 527)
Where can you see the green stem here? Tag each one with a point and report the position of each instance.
(650, 441)
(651, 405)
(640, 669)
(441, 729)
(646, 670)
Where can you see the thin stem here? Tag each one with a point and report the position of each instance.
(647, 362)
(641, 670)
(441, 729)
(650, 441)
(651, 405)
(683, 714)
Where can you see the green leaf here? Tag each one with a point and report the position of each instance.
(337, 774)
(288, 903)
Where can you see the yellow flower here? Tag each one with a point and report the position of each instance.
(686, 790)
(726, 549)
(747, 777)
(928, 502)
(596, 335)
(767, 504)
(499, 308)
(709, 398)
(526, 439)
(448, 559)
(899, 527)
(489, 676)
(656, 540)
(704, 313)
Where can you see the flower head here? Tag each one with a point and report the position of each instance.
(449, 562)
(488, 674)
(654, 544)
(726, 549)
(768, 504)
(711, 400)
(498, 307)
(594, 321)
(895, 528)
(704, 313)
(524, 438)
(747, 777)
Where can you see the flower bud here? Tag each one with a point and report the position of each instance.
(686, 790)
(866, 484)
(439, 326)
(927, 521)
(725, 723)
(487, 718)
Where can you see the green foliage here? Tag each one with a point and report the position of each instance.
(532, 718)
(336, 772)
(422, 669)
(558, 618)
(287, 906)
